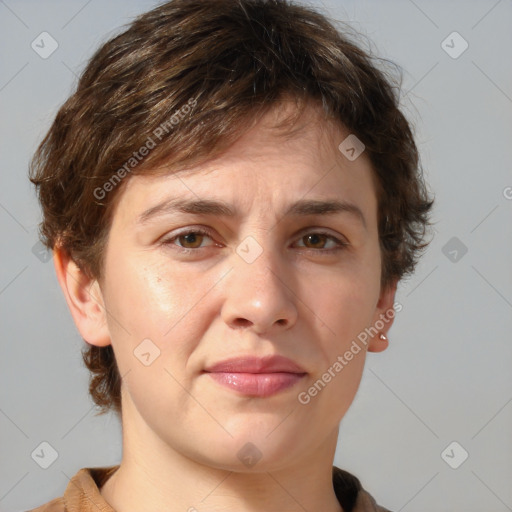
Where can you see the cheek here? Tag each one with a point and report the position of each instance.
(150, 306)
(150, 297)
(345, 306)
(140, 296)
(343, 301)
(146, 292)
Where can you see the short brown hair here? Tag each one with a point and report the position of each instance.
(230, 61)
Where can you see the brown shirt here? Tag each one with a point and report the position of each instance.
(83, 493)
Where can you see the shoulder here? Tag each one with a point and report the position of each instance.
(82, 493)
(351, 494)
(366, 502)
(55, 505)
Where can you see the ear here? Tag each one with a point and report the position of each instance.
(84, 298)
(384, 314)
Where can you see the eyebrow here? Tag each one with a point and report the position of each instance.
(302, 208)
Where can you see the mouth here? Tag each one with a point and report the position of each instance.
(257, 376)
(257, 384)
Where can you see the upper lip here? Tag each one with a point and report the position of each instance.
(251, 364)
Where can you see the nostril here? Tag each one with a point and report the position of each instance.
(242, 322)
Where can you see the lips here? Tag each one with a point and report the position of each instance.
(253, 376)
(251, 364)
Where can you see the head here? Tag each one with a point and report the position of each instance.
(244, 102)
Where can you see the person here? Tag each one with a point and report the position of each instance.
(232, 195)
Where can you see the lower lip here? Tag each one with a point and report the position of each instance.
(257, 384)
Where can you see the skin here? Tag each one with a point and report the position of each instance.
(181, 430)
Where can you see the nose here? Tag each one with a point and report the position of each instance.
(259, 292)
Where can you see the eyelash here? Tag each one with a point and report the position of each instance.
(207, 232)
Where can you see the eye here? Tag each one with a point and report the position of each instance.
(191, 241)
(319, 237)
(192, 237)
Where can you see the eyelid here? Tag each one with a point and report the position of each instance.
(340, 240)
(322, 231)
(185, 231)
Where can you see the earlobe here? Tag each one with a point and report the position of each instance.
(84, 298)
(378, 343)
(383, 319)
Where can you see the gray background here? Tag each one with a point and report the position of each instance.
(446, 375)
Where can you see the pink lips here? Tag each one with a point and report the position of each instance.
(257, 376)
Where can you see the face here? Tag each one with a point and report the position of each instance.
(186, 290)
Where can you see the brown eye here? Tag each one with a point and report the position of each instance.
(194, 238)
(188, 240)
(316, 241)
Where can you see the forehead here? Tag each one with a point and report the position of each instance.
(272, 162)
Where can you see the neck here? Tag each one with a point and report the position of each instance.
(156, 476)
